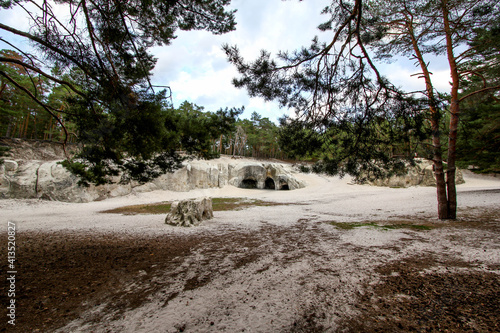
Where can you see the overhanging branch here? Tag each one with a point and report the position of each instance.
(50, 47)
(33, 68)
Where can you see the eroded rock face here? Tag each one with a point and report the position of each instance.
(51, 181)
(272, 176)
(188, 213)
(29, 179)
(421, 174)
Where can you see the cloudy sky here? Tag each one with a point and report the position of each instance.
(196, 69)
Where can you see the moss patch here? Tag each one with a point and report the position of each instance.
(225, 204)
(403, 225)
(155, 208)
(218, 204)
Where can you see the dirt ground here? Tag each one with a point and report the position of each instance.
(67, 276)
(331, 257)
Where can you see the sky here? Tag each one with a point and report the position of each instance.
(197, 70)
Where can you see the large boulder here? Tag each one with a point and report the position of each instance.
(429, 178)
(188, 213)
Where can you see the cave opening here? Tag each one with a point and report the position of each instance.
(248, 183)
(269, 184)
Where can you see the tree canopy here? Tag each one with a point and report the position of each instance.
(180, 133)
(336, 87)
(98, 53)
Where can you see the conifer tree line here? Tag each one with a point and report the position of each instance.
(192, 127)
(256, 137)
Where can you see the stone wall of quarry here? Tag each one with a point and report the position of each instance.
(421, 174)
(49, 180)
(32, 170)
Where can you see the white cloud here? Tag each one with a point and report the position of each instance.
(410, 80)
(197, 69)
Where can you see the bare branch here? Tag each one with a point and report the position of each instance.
(487, 89)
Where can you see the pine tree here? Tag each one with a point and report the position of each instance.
(338, 86)
(100, 49)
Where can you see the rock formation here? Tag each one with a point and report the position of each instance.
(50, 180)
(188, 213)
(421, 174)
(270, 176)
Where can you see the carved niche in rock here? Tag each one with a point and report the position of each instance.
(270, 176)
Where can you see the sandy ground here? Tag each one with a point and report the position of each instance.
(283, 268)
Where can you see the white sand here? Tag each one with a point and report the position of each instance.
(308, 266)
(323, 199)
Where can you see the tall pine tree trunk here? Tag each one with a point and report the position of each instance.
(454, 116)
(9, 128)
(25, 126)
(442, 195)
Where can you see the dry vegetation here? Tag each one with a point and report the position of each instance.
(218, 204)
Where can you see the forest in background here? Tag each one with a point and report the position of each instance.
(258, 137)
(22, 117)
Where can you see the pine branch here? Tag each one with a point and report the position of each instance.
(36, 69)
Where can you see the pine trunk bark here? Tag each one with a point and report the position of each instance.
(9, 129)
(454, 116)
(442, 195)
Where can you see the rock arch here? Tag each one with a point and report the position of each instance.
(283, 184)
(269, 184)
(248, 183)
(271, 176)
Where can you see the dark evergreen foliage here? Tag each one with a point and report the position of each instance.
(299, 139)
(192, 130)
(479, 141)
(178, 134)
(337, 88)
(100, 53)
